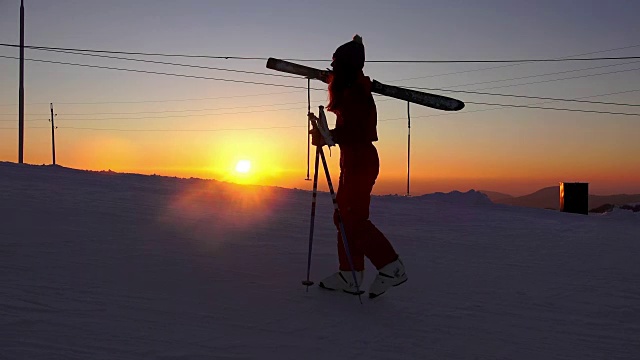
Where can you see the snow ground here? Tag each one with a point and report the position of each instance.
(114, 266)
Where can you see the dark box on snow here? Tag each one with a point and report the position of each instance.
(574, 198)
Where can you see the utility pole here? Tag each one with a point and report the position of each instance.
(53, 136)
(308, 124)
(21, 90)
(408, 145)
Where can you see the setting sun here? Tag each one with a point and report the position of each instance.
(243, 166)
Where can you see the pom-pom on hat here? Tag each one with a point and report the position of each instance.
(350, 54)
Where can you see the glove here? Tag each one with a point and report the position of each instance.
(316, 137)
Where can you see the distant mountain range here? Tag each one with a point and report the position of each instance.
(549, 198)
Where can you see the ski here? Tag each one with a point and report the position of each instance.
(297, 69)
(417, 97)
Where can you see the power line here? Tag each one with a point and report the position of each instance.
(321, 60)
(559, 79)
(3, 120)
(532, 106)
(180, 116)
(537, 97)
(382, 120)
(168, 111)
(296, 108)
(512, 65)
(183, 130)
(161, 101)
(471, 92)
(287, 109)
(500, 108)
(111, 68)
(252, 95)
(547, 74)
(468, 102)
(173, 64)
(161, 73)
(559, 109)
(26, 127)
(197, 99)
(137, 53)
(299, 87)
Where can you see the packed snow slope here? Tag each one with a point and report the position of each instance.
(116, 266)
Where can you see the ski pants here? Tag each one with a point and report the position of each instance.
(359, 168)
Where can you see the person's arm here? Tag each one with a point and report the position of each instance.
(354, 115)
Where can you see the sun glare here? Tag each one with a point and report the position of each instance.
(243, 166)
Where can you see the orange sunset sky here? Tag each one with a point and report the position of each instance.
(188, 127)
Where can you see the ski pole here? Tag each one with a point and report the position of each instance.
(345, 243)
(308, 282)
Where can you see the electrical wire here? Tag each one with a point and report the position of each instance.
(553, 73)
(559, 79)
(477, 103)
(298, 87)
(559, 109)
(497, 108)
(167, 111)
(173, 64)
(160, 101)
(298, 77)
(319, 60)
(184, 130)
(150, 101)
(160, 73)
(182, 116)
(510, 65)
(296, 108)
(536, 97)
(530, 106)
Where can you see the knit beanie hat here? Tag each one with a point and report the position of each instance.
(350, 54)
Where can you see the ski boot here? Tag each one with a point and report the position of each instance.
(343, 280)
(392, 274)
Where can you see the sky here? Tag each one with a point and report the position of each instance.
(158, 124)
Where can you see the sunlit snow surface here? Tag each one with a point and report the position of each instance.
(114, 266)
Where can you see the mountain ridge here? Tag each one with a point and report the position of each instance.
(549, 198)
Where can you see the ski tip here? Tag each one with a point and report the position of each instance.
(459, 106)
(271, 63)
(307, 282)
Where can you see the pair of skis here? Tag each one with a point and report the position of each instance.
(418, 97)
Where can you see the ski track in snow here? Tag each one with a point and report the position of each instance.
(114, 266)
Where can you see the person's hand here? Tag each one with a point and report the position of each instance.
(316, 137)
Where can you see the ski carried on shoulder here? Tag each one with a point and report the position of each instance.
(417, 97)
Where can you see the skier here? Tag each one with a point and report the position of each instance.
(356, 118)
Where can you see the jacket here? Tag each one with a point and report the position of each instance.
(357, 117)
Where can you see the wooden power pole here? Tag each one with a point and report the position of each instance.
(21, 90)
(53, 136)
(408, 147)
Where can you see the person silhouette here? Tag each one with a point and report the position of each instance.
(351, 101)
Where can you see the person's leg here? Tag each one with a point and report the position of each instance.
(343, 279)
(377, 247)
(347, 202)
(359, 171)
